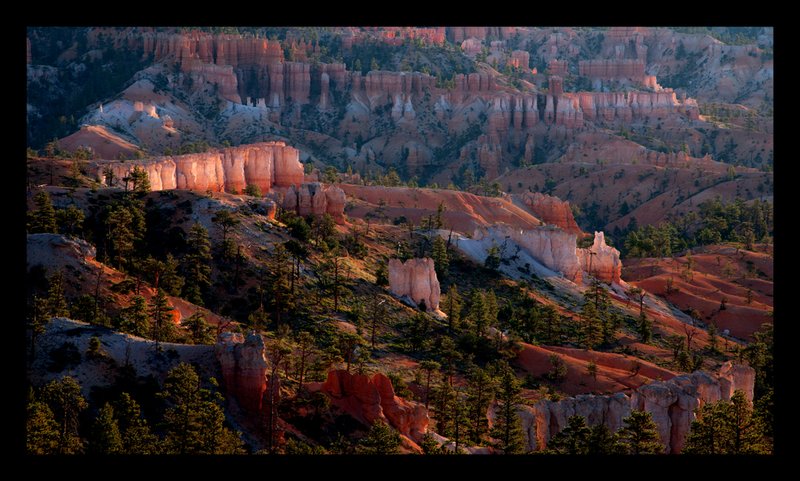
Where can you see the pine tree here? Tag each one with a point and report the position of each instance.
(161, 314)
(66, 402)
(591, 326)
(382, 274)
(136, 435)
(135, 318)
(140, 180)
(43, 219)
(492, 309)
(194, 422)
(199, 329)
(381, 439)
(37, 321)
(56, 303)
(119, 234)
(41, 429)
(197, 265)
(640, 434)
(573, 439)
(480, 393)
(508, 428)
(452, 307)
(429, 367)
(477, 311)
(727, 427)
(441, 260)
(70, 220)
(645, 328)
(106, 438)
(169, 280)
(603, 441)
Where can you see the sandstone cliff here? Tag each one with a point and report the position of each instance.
(265, 164)
(415, 278)
(601, 260)
(315, 198)
(671, 403)
(369, 399)
(551, 210)
(244, 368)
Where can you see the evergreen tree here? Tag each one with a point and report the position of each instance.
(645, 327)
(197, 265)
(136, 435)
(477, 311)
(199, 329)
(43, 219)
(169, 280)
(140, 180)
(70, 220)
(106, 438)
(381, 439)
(226, 221)
(441, 260)
(161, 315)
(591, 326)
(480, 392)
(573, 439)
(119, 234)
(429, 367)
(603, 441)
(491, 307)
(37, 321)
(41, 429)
(194, 420)
(727, 427)
(56, 303)
(382, 274)
(135, 318)
(640, 434)
(508, 428)
(452, 307)
(66, 402)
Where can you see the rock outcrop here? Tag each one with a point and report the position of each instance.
(316, 198)
(557, 250)
(265, 164)
(671, 403)
(551, 210)
(601, 260)
(244, 368)
(415, 278)
(369, 399)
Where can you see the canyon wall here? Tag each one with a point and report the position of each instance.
(315, 198)
(231, 169)
(551, 210)
(601, 260)
(671, 403)
(415, 278)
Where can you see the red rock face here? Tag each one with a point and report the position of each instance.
(671, 404)
(315, 198)
(612, 69)
(244, 368)
(551, 210)
(265, 164)
(372, 399)
(601, 260)
(415, 278)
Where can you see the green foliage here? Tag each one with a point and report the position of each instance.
(140, 181)
(136, 435)
(573, 439)
(714, 223)
(194, 420)
(135, 319)
(727, 427)
(759, 354)
(41, 429)
(197, 265)
(43, 219)
(382, 274)
(508, 428)
(644, 326)
(640, 434)
(492, 260)
(452, 307)
(441, 260)
(199, 329)
(161, 314)
(381, 439)
(70, 220)
(55, 303)
(558, 368)
(297, 226)
(106, 437)
(65, 400)
(253, 190)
